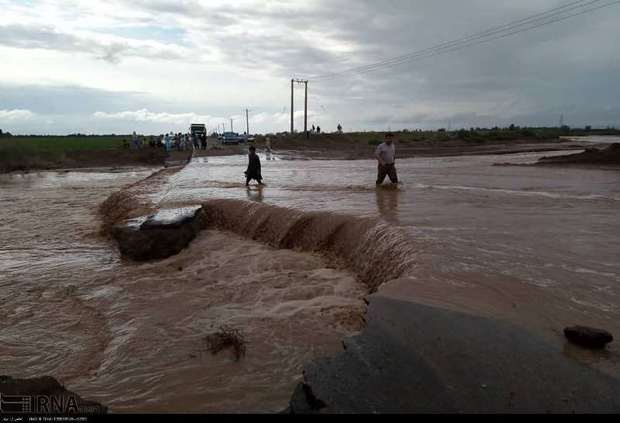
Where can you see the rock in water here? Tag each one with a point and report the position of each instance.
(304, 401)
(159, 236)
(43, 395)
(588, 337)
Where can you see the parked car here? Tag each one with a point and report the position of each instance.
(248, 138)
(231, 138)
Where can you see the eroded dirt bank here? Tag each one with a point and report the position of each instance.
(606, 156)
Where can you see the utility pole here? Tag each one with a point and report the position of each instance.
(247, 121)
(305, 82)
(292, 106)
(231, 125)
(306, 109)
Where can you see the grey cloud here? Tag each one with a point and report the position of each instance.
(179, 7)
(529, 78)
(288, 51)
(36, 37)
(70, 109)
(44, 99)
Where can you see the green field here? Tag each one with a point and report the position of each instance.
(58, 144)
(24, 153)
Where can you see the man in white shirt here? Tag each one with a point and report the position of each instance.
(386, 156)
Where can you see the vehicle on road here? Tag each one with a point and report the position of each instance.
(198, 129)
(231, 138)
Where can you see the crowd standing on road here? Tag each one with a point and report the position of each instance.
(169, 141)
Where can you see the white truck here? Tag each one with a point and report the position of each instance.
(198, 129)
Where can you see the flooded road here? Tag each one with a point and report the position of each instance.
(537, 246)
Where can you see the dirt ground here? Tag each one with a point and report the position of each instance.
(346, 147)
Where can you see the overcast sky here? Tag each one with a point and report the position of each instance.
(158, 65)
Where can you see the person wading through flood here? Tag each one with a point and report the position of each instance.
(386, 156)
(253, 171)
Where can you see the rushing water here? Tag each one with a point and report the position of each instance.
(132, 336)
(536, 245)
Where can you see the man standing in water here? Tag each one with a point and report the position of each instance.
(386, 155)
(253, 171)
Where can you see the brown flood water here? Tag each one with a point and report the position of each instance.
(537, 246)
(132, 335)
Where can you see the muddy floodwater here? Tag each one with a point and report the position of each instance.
(536, 246)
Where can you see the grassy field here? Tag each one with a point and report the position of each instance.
(24, 153)
(55, 144)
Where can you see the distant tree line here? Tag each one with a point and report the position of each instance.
(514, 131)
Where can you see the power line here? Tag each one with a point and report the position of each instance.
(462, 46)
(526, 24)
(467, 40)
(491, 31)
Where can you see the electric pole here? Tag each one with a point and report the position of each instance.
(292, 106)
(247, 121)
(306, 109)
(305, 82)
(231, 125)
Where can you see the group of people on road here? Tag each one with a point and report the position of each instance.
(184, 142)
(317, 129)
(138, 142)
(170, 141)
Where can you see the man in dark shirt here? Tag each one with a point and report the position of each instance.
(253, 171)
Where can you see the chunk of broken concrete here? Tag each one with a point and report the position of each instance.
(159, 236)
(588, 337)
